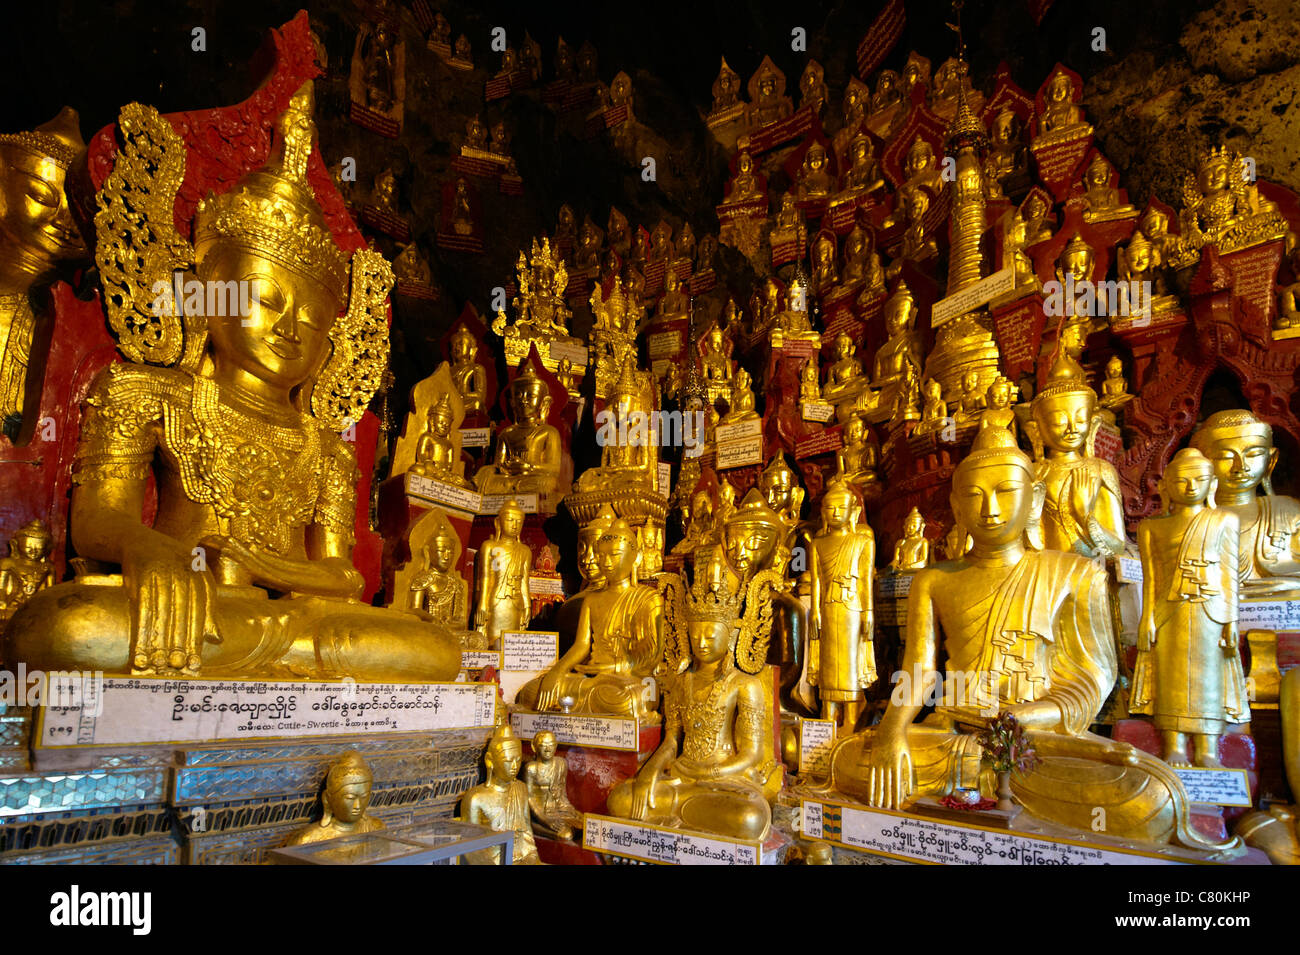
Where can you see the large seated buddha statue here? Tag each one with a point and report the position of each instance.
(1033, 629)
(239, 418)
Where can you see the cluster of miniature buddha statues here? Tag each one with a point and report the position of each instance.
(724, 604)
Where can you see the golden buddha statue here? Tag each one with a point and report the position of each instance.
(37, 232)
(344, 803)
(1014, 239)
(973, 399)
(888, 91)
(863, 174)
(501, 803)
(841, 563)
(1240, 447)
(1038, 227)
(468, 374)
(503, 564)
(814, 179)
(541, 312)
(1114, 390)
(780, 488)
(1007, 156)
(714, 770)
(813, 91)
(546, 775)
(918, 244)
(461, 51)
(745, 184)
(912, 552)
(590, 241)
(529, 452)
(436, 453)
(767, 100)
(476, 134)
(674, 302)
(1141, 262)
(901, 350)
(1221, 207)
(844, 379)
(1061, 118)
(934, 410)
(1074, 268)
(27, 569)
(792, 322)
(715, 359)
(411, 267)
(661, 244)
(788, 224)
(439, 590)
(1034, 627)
(809, 386)
(951, 82)
(726, 89)
(462, 210)
(684, 247)
(241, 428)
(619, 638)
(699, 521)
(1083, 512)
(742, 399)
(1188, 674)
(627, 455)
(857, 459)
(999, 413)
(862, 261)
(825, 274)
(921, 167)
(1101, 199)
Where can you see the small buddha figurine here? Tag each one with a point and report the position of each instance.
(502, 802)
(529, 450)
(1074, 269)
(815, 179)
(509, 62)
(565, 68)
(999, 413)
(1014, 239)
(809, 387)
(436, 455)
(476, 134)
(384, 193)
(726, 89)
(912, 552)
(1061, 118)
(846, 370)
(857, 459)
(746, 184)
(825, 274)
(862, 261)
(715, 357)
(344, 803)
(37, 232)
(1140, 261)
(907, 403)
(461, 51)
(903, 347)
(1083, 511)
(546, 775)
(951, 77)
(1240, 448)
(788, 226)
(888, 91)
(1288, 296)
(699, 523)
(921, 167)
(973, 399)
(439, 590)
(683, 249)
(934, 413)
(1114, 390)
(706, 253)
(674, 302)
(714, 770)
(27, 569)
(270, 492)
(617, 235)
(863, 174)
(742, 399)
(767, 100)
(411, 267)
(841, 562)
(813, 91)
(918, 244)
(1040, 624)
(626, 458)
(502, 567)
(1102, 200)
(1007, 157)
(1038, 227)
(587, 63)
(468, 374)
(566, 227)
(1188, 673)
(462, 210)
(619, 638)
(567, 376)
(590, 240)
(440, 34)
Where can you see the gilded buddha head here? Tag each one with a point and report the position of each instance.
(588, 537)
(900, 310)
(504, 756)
(1240, 448)
(1060, 88)
(31, 542)
(618, 551)
(1188, 480)
(914, 525)
(713, 607)
(993, 490)
(544, 744)
(753, 531)
(510, 520)
(530, 398)
(443, 548)
(268, 231)
(441, 416)
(36, 225)
(1065, 407)
(1005, 131)
(347, 790)
(463, 345)
(1076, 261)
(1212, 174)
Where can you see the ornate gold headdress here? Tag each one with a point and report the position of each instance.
(59, 139)
(348, 768)
(1066, 377)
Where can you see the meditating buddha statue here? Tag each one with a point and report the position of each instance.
(468, 374)
(857, 460)
(501, 803)
(825, 275)
(714, 770)
(546, 776)
(1240, 447)
(619, 638)
(815, 179)
(529, 450)
(1103, 201)
(863, 174)
(746, 184)
(1222, 206)
(934, 410)
(37, 232)
(715, 360)
(862, 261)
(1007, 157)
(999, 413)
(627, 456)
(912, 552)
(742, 399)
(1034, 629)
(901, 350)
(1083, 512)
(767, 100)
(1061, 118)
(921, 167)
(343, 803)
(27, 569)
(973, 399)
(239, 419)
(1114, 389)
(436, 455)
(726, 89)
(844, 379)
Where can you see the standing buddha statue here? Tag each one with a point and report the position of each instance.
(503, 564)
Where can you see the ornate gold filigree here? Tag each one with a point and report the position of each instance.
(356, 365)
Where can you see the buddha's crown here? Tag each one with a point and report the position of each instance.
(59, 139)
